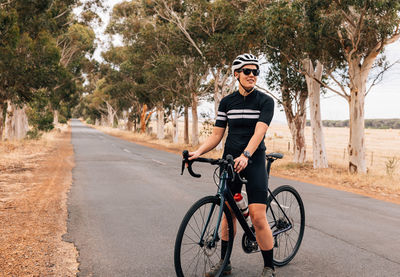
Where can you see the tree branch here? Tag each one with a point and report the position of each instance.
(270, 93)
(343, 93)
(379, 76)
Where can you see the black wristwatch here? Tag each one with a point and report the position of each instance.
(246, 154)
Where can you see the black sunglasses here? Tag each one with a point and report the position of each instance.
(247, 71)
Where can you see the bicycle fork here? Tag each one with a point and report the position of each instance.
(215, 238)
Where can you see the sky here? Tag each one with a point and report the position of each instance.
(383, 101)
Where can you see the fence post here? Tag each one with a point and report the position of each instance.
(288, 146)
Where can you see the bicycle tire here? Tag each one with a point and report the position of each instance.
(286, 244)
(189, 234)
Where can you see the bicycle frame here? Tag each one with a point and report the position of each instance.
(225, 194)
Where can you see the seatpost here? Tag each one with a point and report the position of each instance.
(269, 162)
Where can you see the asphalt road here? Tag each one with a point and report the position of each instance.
(127, 201)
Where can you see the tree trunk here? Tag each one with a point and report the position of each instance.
(195, 120)
(55, 117)
(1, 120)
(297, 122)
(296, 126)
(143, 119)
(160, 121)
(16, 125)
(96, 122)
(110, 115)
(356, 149)
(129, 123)
(175, 123)
(186, 126)
(103, 121)
(314, 89)
(8, 125)
(124, 120)
(221, 89)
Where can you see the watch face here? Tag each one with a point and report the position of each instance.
(246, 154)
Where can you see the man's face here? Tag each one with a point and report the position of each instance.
(247, 81)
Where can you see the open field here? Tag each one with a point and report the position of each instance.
(35, 176)
(382, 146)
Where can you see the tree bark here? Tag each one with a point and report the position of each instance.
(1, 120)
(195, 120)
(55, 117)
(8, 125)
(16, 125)
(314, 89)
(110, 115)
(175, 123)
(186, 126)
(297, 122)
(143, 119)
(221, 89)
(160, 121)
(356, 149)
(103, 121)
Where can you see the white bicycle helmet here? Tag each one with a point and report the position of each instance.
(243, 60)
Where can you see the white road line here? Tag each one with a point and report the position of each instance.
(158, 162)
(127, 151)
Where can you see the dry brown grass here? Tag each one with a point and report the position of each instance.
(35, 176)
(376, 183)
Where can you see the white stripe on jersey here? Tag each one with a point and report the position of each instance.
(222, 118)
(221, 113)
(247, 116)
(243, 111)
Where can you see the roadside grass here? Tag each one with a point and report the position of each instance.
(375, 184)
(35, 176)
(19, 158)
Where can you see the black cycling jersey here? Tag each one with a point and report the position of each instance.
(241, 114)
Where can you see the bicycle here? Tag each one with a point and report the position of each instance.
(197, 245)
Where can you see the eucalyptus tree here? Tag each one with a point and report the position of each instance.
(294, 31)
(363, 29)
(276, 24)
(156, 60)
(32, 58)
(75, 45)
(210, 29)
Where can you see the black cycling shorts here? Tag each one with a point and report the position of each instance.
(257, 180)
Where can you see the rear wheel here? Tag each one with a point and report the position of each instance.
(287, 221)
(193, 257)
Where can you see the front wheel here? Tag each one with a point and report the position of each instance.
(286, 217)
(194, 256)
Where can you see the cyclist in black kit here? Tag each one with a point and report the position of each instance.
(248, 113)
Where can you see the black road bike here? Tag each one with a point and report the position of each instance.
(198, 242)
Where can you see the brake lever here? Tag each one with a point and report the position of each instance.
(243, 181)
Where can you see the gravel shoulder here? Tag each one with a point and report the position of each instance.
(35, 177)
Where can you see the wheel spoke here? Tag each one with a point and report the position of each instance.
(192, 258)
(288, 206)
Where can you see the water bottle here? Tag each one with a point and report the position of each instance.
(241, 203)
